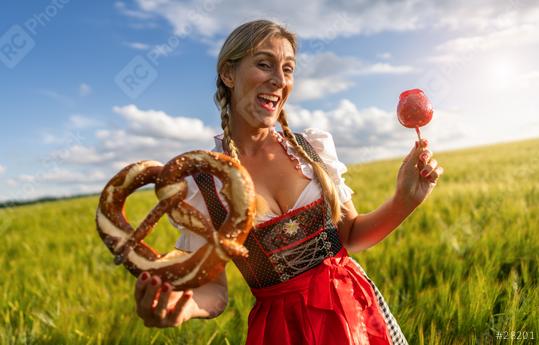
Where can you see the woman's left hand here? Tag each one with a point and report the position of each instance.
(417, 175)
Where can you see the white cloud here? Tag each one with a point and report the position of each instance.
(62, 176)
(161, 125)
(67, 176)
(319, 75)
(348, 124)
(373, 133)
(26, 178)
(315, 88)
(49, 138)
(2, 169)
(84, 165)
(81, 121)
(359, 135)
(79, 154)
(385, 68)
(70, 134)
(325, 64)
(85, 188)
(528, 80)
(114, 140)
(129, 12)
(385, 55)
(137, 45)
(209, 18)
(516, 29)
(488, 15)
(530, 75)
(148, 134)
(516, 36)
(214, 45)
(85, 168)
(85, 89)
(57, 97)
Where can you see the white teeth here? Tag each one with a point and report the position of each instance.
(269, 98)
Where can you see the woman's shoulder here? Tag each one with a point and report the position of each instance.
(322, 142)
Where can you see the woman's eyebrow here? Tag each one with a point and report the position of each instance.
(270, 54)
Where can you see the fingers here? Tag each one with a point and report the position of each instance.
(177, 316)
(160, 310)
(429, 168)
(153, 298)
(432, 171)
(149, 299)
(425, 156)
(433, 177)
(421, 151)
(424, 144)
(140, 286)
(416, 151)
(421, 158)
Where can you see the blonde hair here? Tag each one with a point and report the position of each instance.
(240, 43)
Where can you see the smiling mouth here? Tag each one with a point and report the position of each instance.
(268, 101)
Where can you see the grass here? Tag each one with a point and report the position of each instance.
(463, 267)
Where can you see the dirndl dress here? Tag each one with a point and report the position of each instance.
(308, 289)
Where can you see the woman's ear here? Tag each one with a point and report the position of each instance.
(227, 75)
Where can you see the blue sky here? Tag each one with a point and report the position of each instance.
(71, 117)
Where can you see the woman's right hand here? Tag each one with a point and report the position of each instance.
(159, 306)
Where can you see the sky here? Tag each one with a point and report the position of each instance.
(87, 87)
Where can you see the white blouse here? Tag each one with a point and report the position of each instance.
(323, 144)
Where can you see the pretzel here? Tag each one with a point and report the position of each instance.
(181, 269)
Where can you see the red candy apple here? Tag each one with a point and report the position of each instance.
(414, 109)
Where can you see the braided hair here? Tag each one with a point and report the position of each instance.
(328, 187)
(222, 99)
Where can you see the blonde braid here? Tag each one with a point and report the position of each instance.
(221, 99)
(328, 187)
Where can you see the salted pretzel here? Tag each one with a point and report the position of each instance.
(180, 269)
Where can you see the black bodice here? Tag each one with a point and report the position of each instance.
(285, 246)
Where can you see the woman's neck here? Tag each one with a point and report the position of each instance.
(249, 140)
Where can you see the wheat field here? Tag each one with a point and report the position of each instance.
(460, 269)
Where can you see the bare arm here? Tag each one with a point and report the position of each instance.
(159, 306)
(417, 177)
(361, 231)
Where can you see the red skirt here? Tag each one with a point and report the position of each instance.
(332, 303)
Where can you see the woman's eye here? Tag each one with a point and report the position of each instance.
(264, 65)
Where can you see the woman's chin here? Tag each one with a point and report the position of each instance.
(266, 120)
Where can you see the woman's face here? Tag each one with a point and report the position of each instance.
(260, 83)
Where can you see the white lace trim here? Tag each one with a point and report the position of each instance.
(322, 143)
(301, 164)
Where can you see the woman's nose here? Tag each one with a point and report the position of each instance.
(278, 79)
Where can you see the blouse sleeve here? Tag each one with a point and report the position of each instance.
(323, 144)
(189, 241)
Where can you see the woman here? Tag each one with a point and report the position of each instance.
(307, 289)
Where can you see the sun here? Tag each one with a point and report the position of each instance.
(501, 72)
